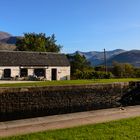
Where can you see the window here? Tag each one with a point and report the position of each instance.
(7, 73)
(39, 72)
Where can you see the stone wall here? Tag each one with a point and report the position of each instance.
(16, 103)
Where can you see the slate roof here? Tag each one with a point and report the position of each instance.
(21, 58)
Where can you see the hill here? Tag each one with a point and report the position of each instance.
(119, 55)
(131, 57)
(4, 35)
(97, 58)
(7, 41)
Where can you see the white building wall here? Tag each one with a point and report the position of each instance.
(1, 73)
(48, 74)
(30, 71)
(15, 71)
(63, 73)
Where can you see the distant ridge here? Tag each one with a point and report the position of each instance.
(4, 35)
(122, 56)
(97, 58)
(131, 57)
(7, 41)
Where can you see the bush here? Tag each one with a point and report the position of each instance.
(137, 73)
(92, 75)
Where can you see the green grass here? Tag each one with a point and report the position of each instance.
(127, 129)
(69, 82)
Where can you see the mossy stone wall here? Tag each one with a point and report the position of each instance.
(24, 102)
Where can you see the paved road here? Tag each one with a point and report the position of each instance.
(26, 126)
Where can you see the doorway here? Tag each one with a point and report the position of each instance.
(23, 72)
(54, 74)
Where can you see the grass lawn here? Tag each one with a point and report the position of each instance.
(69, 82)
(127, 129)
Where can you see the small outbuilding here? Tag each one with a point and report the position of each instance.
(46, 65)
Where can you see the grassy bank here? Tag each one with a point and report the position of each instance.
(69, 82)
(128, 129)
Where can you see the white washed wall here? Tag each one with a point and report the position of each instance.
(30, 71)
(14, 71)
(63, 73)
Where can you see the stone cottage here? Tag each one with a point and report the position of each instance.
(19, 64)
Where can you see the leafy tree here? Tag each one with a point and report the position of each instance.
(37, 42)
(118, 69)
(81, 68)
(78, 63)
(99, 68)
(51, 45)
(123, 70)
(92, 74)
(137, 72)
(129, 70)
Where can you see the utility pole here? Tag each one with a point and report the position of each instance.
(105, 62)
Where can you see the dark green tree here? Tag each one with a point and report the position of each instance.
(118, 69)
(78, 63)
(37, 42)
(123, 70)
(137, 72)
(129, 70)
(51, 45)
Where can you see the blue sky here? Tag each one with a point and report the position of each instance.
(84, 25)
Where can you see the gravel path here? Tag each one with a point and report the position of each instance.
(19, 127)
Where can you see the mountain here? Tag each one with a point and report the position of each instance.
(7, 41)
(7, 38)
(4, 35)
(97, 58)
(131, 57)
(118, 55)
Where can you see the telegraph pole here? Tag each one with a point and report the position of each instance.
(105, 62)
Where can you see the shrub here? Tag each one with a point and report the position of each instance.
(92, 75)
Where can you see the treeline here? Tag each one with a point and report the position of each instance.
(81, 69)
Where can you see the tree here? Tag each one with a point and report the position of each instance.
(51, 45)
(129, 70)
(78, 63)
(137, 72)
(118, 69)
(123, 70)
(38, 42)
